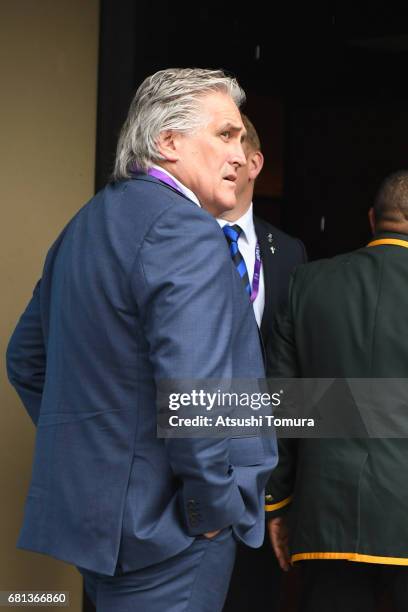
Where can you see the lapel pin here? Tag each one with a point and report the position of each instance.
(270, 240)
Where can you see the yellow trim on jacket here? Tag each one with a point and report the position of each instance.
(350, 557)
(278, 505)
(395, 241)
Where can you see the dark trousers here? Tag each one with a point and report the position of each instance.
(256, 582)
(195, 580)
(337, 586)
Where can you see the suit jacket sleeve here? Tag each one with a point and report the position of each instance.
(282, 363)
(26, 357)
(184, 288)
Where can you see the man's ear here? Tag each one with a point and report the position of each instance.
(167, 145)
(371, 219)
(255, 161)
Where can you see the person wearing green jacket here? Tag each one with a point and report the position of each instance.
(339, 506)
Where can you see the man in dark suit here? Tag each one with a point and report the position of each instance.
(256, 576)
(129, 298)
(344, 502)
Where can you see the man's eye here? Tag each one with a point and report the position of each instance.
(226, 135)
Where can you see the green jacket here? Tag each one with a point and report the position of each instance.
(347, 318)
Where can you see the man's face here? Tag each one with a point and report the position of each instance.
(208, 159)
(242, 186)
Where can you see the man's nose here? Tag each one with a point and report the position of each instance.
(239, 155)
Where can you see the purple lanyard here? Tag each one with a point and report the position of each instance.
(164, 178)
(257, 273)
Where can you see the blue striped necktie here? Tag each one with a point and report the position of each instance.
(232, 233)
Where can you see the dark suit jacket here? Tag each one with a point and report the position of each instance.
(347, 318)
(280, 253)
(128, 298)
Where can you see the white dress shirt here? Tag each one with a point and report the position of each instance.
(246, 243)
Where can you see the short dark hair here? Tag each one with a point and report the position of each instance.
(391, 202)
(252, 138)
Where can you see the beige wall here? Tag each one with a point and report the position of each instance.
(48, 68)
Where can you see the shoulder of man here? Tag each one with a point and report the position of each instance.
(321, 269)
(267, 227)
(133, 205)
(279, 239)
(157, 194)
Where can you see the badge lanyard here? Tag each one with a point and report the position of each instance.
(257, 273)
(164, 178)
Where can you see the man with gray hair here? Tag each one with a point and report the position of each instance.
(131, 295)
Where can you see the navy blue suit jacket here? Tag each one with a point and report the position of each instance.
(139, 287)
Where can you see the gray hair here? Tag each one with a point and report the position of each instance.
(167, 100)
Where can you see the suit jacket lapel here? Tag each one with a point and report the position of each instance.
(270, 270)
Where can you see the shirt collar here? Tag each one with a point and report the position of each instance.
(397, 235)
(246, 223)
(185, 190)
